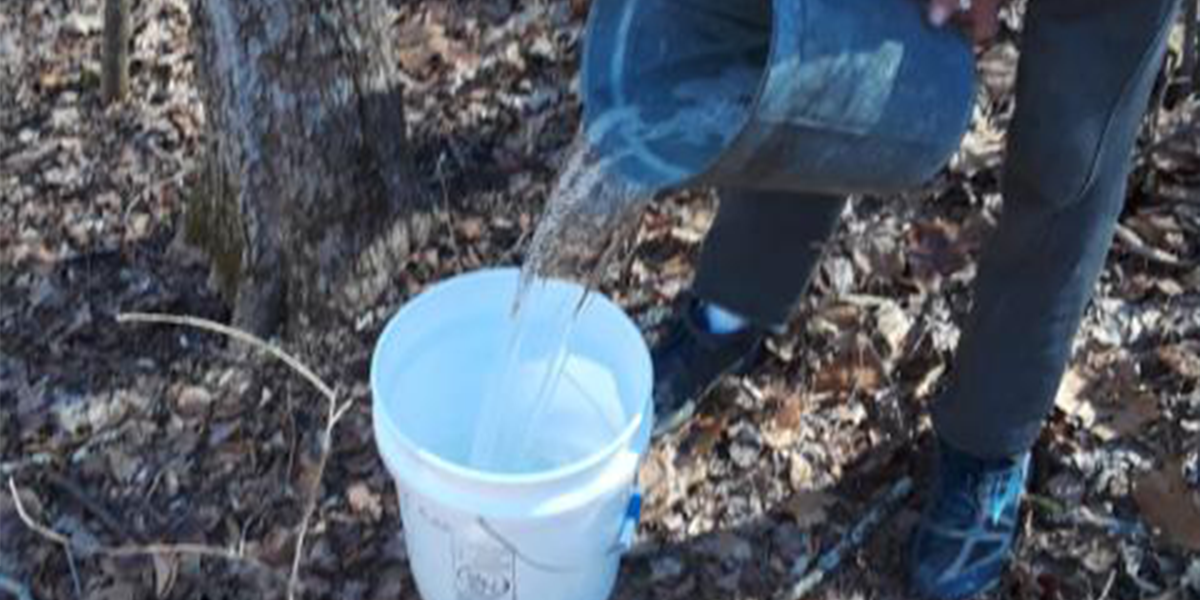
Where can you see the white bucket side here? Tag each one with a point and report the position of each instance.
(555, 534)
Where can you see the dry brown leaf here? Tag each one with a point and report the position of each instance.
(1127, 417)
(800, 471)
(707, 431)
(856, 366)
(1169, 506)
(936, 250)
(894, 324)
(1182, 359)
(929, 381)
(363, 500)
(471, 228)
(1111, 405)
(808, 508)
(783, 428)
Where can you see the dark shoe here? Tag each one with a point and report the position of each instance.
(964, 540)
(689, 361)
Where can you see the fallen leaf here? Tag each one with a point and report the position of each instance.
(894, 324)
(929, 381)
(1128, 417)
(936, 250)
(1168, 505)
(1182, 359)
(800, 471)
(856, 366)
(193, 400)
(1111, 404)
(471, 228)
(363, 500)
(782, 429)
(808, 508)
(707, 431)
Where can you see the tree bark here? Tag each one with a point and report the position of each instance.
(114, 81)
(307, 162)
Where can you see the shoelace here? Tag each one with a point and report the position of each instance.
(999, 491)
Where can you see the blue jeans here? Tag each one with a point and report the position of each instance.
(1085, 75)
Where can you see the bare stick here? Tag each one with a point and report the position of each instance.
(14, 588)
(114, 81)
(128, 551)
(833, 557)
(47, 533)
(1134, 243)
(310, 507)
(241, 336)
(336, 413)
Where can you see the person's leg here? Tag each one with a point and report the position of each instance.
(755, 263)
(1085, 75)
(762, 247)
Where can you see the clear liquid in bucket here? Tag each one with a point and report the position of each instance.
(590, 218)
(589, 223)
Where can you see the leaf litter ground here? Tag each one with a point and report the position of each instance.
(120, 434)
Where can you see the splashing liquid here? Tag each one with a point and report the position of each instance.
(589, 223)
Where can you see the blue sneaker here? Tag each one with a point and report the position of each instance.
(964, 540)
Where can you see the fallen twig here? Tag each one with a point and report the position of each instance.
(1082, 516)
(1133, 242)
(47, 533)
(336, 412)
(15, 588)
(128, 551)
(833, 557)
(237, 334)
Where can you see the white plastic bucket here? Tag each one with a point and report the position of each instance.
(554, 534)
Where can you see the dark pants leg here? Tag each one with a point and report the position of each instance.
(1086, 71)
(1085, 76)
(761, 249)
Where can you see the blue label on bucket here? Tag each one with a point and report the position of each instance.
(633, 514)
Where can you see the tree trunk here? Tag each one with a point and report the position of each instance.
(307, 160)
(114, 81)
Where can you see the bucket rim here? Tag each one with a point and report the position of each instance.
(536, 478)
(593, 69)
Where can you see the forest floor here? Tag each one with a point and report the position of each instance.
(122, 435)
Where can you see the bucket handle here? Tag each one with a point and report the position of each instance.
(624, 541)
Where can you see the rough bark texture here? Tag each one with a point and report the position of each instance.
(307, 160)
(114, 83)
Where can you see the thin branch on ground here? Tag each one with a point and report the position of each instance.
(832, 558)
(47, 533)
(1133, 242)
(336, 412)
(239, 335)
(132, 550)
(15, 588)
